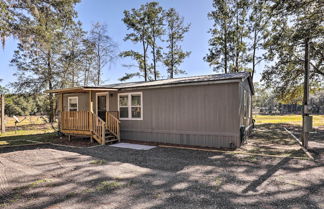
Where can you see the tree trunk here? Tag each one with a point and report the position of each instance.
(172, 57)
(50, 86)
(225, 48)
(144, 60)
(254, 51)
(154, 53)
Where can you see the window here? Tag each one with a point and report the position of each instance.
(245, 102)
(130, 106)
(73, 104)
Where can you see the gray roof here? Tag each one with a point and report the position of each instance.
(185, 80)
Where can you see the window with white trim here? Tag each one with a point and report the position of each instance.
(73, 104)
(130, 106)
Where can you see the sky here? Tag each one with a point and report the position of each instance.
(110, 12)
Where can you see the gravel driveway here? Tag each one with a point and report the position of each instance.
(49, 176)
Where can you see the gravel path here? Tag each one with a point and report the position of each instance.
(48, 176)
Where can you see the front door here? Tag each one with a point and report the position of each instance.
(102, 105)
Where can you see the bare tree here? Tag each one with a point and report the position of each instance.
(104, 48)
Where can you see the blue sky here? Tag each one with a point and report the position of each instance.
(111, 13)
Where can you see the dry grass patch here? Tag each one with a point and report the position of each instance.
(318, 120)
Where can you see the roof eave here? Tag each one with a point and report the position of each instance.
(79, 90)
(195, 83)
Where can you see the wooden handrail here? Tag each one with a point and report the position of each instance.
(115, 113)
(98, 128)
(113, 124)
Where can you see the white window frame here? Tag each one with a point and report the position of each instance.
(129, 105)
(77, 99)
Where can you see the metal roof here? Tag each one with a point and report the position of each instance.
(240, 76)
(185, 80)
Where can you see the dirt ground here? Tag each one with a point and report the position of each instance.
(270, 171)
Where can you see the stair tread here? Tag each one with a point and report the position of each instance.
(113, 140)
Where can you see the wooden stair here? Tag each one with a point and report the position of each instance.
(110, 138)
(89, 124)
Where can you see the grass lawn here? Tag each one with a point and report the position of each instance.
(318, 120)
(31, 128)
(26, 120)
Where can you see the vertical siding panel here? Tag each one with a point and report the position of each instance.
(199, 110)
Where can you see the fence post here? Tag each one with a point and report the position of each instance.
(2, 114)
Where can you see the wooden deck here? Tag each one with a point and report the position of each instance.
(87, 123)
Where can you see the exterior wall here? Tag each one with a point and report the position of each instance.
(193, 115)
(83, 101)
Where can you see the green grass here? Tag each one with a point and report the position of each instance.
(33, 128)
(98, 162)
(108, 185)
(318, 120)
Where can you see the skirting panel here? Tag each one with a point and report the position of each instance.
(216, 141)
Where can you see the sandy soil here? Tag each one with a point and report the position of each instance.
(50, 176)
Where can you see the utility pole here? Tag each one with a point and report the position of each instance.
(307, 120)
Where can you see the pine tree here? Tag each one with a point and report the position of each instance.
(43, 23)
(293, 22)
(228, 44)
(258, 26)
(136, 21)
(175, 32)
(155, 19)
(220, 43)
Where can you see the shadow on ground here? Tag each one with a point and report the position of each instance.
(55, 176)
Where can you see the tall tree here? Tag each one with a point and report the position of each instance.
(175, 32)
(5, 19)
(293, 22)
(72, 56)
(258, 25)
(88, 64)
(105, 48)
(228, 44)
(155, 19)
(220, 43)
(137, 22)
(36, 57)
(240, 34)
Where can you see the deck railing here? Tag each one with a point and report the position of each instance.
(113, 123)
(77, 121)
(81, 122)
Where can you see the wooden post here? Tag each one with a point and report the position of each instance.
(61, 112)
(305, 112)
(90, 117)
(2, 114)
(103, 142)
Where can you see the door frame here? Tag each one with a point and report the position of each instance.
(107, 100)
